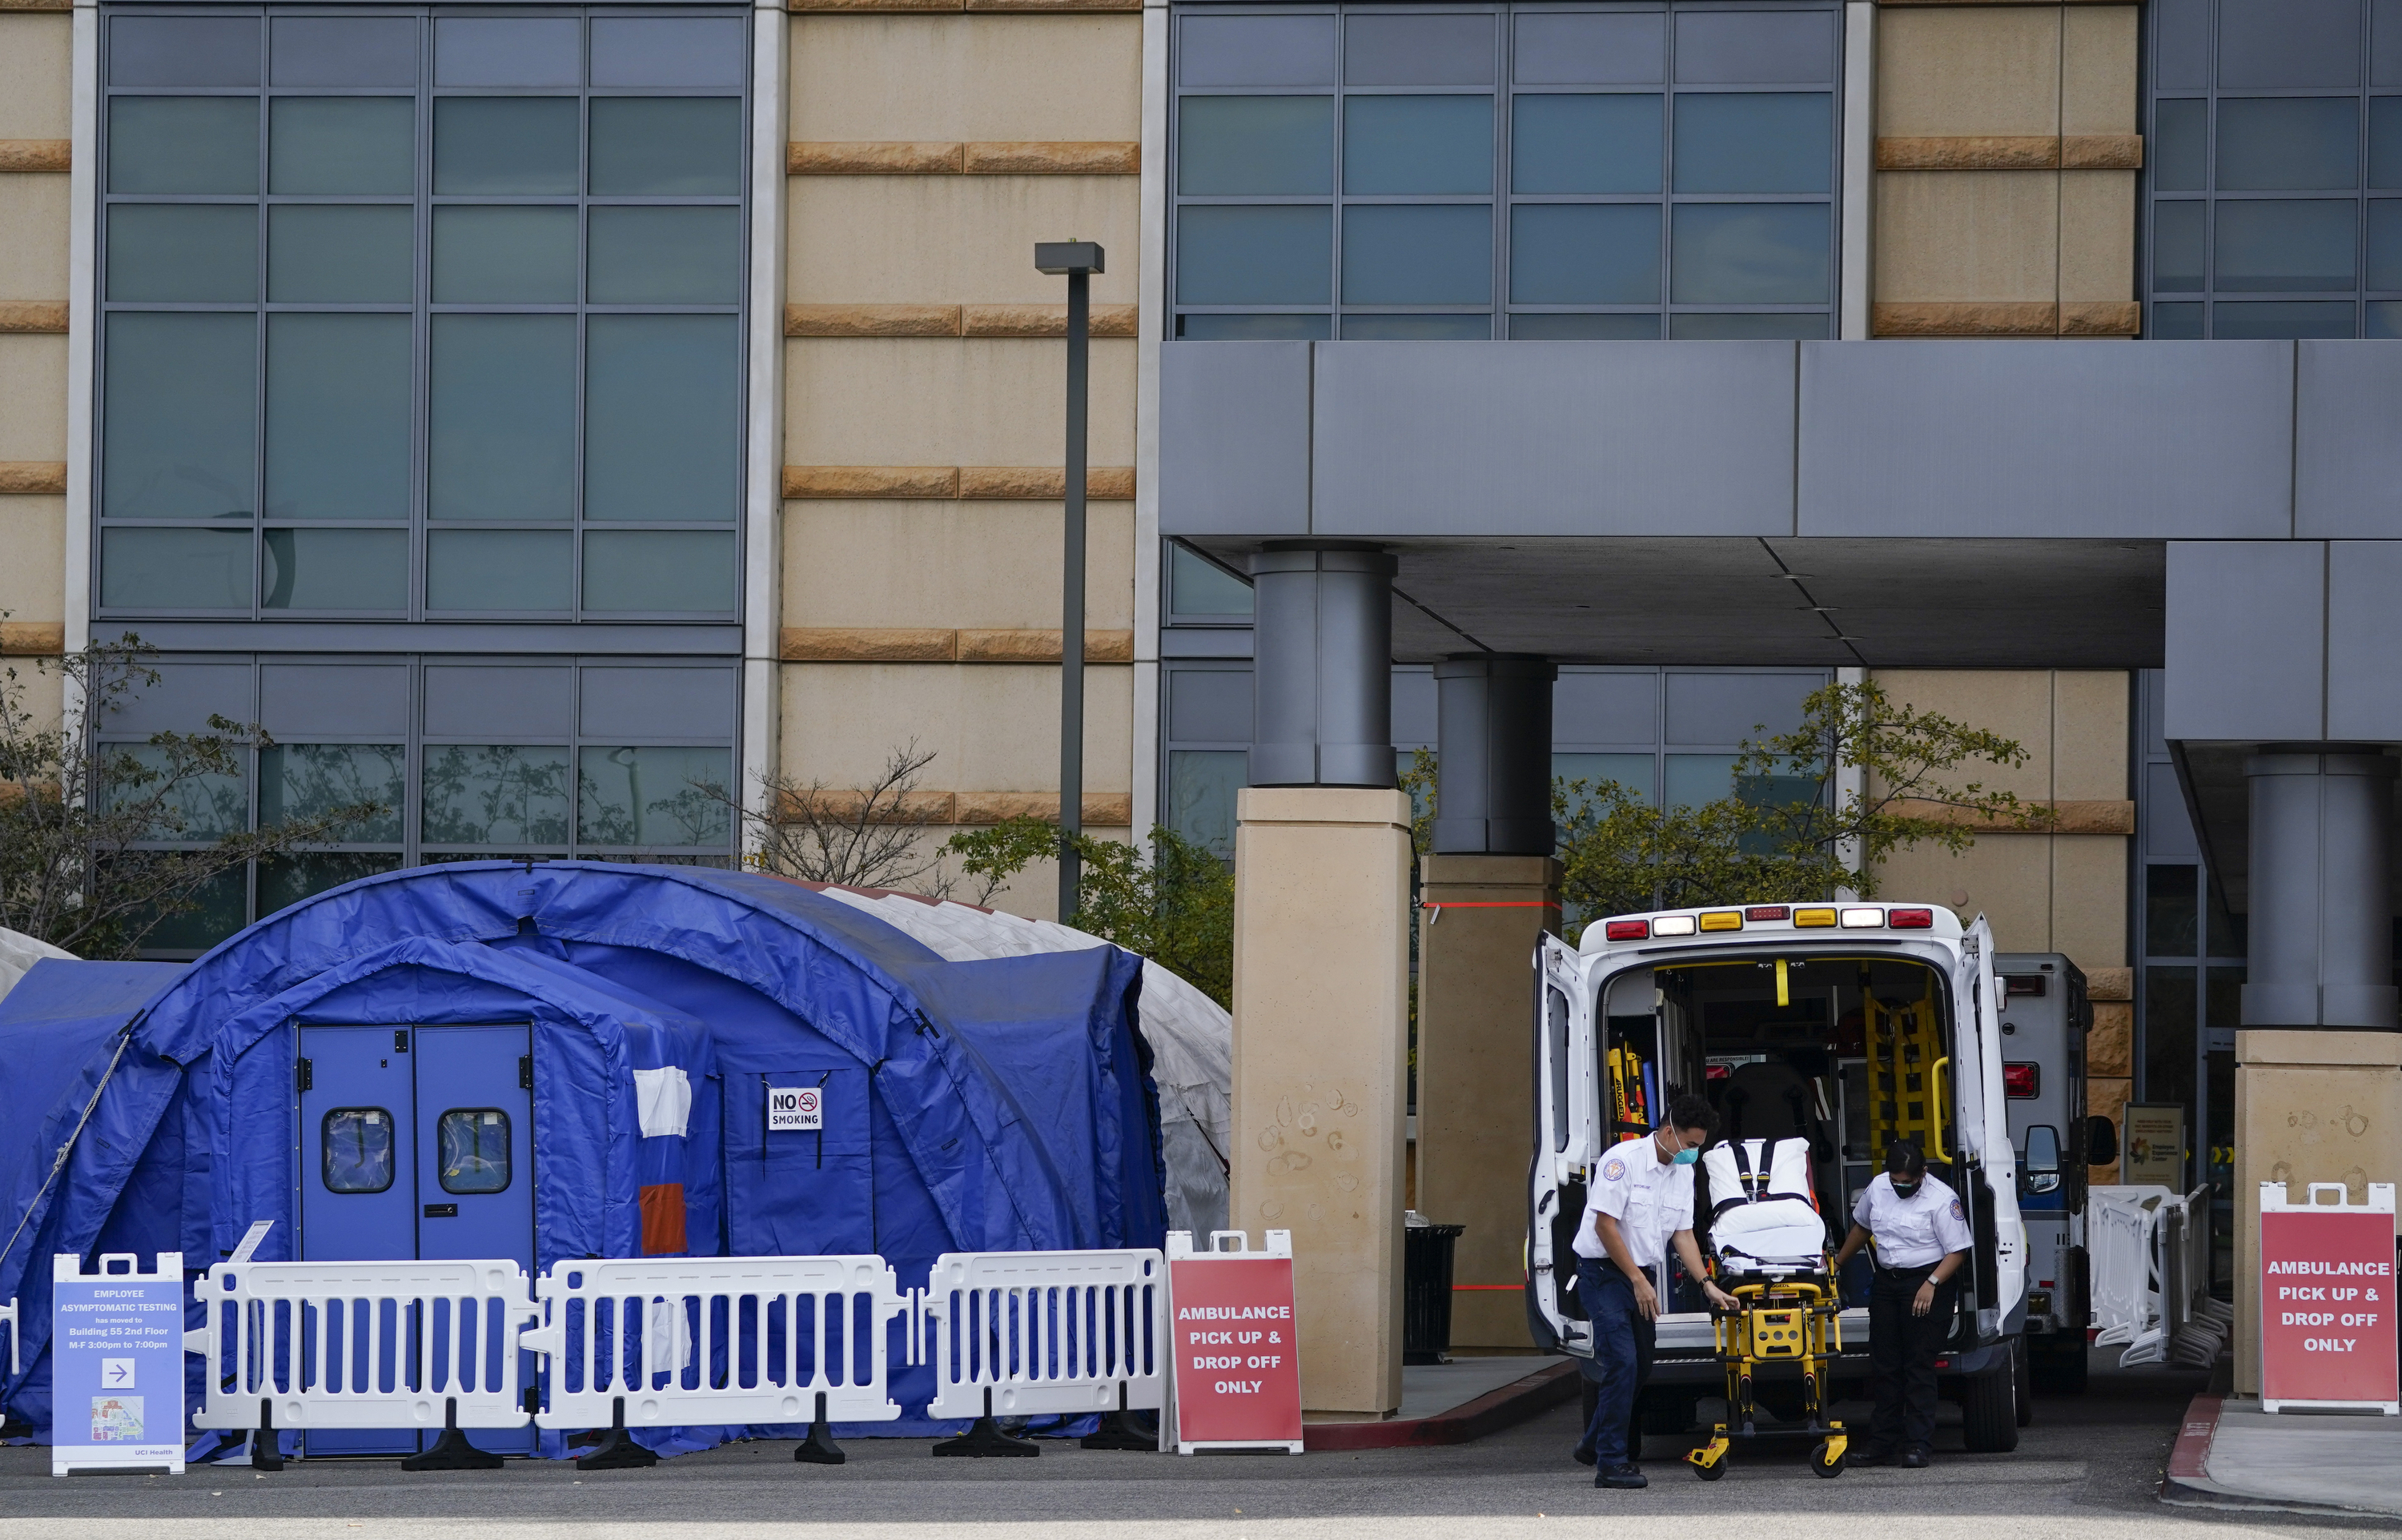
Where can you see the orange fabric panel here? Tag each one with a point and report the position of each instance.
(663, 1219)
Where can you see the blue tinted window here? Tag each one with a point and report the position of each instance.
(1755, 142)
(1565, 143)
(1267, 255)
(1750, 253)
(2180, 129)
(2281, 144)
(1429, 254)
(1256, 145)
(1585, 253)
(2176, 246)
(2285, 244)
(1417, 144)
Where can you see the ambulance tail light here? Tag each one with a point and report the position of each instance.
(1628, 930)
(2021, 1082)
(1911, 919)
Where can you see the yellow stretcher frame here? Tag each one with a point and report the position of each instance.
(1777, 1321)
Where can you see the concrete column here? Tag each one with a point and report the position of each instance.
(1479, 922)
(2318, 1078)
(1322, 639)
(1321, 1003)
(1493, 755)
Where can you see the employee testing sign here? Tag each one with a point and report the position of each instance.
(2327, 1300)
(116, 1364)
(1237, 1373)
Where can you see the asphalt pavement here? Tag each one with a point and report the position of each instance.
(2091, 1466)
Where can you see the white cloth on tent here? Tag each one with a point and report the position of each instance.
(19, 953)
(662, 1101)
(1768, 1217)
(1191, 1037)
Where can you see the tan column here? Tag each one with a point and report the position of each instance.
(2309, 1107)
(1321, 1000)
(1481, 919)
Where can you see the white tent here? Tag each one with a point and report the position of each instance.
(19, 953)
(1192, 1036)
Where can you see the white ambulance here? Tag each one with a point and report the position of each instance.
(1849, 1025)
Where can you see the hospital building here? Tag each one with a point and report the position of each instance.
(519, 410)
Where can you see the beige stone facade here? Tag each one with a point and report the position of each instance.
(36, 80)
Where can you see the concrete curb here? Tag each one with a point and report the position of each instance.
(2187, 1483)
(1490, 1412)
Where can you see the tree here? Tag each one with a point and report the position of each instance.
(81, 822)
(872, 837)
(1177, 909)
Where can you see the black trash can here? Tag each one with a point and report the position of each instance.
(1426, 1292)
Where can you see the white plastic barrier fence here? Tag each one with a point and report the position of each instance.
(716, 1340)
(2150, 1252)
(1025, 1333)
(362, 1344)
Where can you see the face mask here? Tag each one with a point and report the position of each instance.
(1685, 1157)
(1901, 1191)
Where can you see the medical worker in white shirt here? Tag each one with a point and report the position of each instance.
(1922, 1240)
(1640, 1205)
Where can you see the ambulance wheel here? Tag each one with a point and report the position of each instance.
(1989, 1410)
(1824, 1465)
(1712, 1471)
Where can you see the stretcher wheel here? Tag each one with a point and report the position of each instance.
(1712, 1471)
(1824, 1463)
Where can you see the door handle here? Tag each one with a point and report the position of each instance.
(442, 1211)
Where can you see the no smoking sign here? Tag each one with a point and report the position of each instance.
(795, 1109)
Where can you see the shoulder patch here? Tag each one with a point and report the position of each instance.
(1613, 1169)
(1956, 1210)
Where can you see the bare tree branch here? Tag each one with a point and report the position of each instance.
(873, 837)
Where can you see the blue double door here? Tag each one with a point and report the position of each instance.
(415, 1143)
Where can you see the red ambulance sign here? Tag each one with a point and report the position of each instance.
(1238, 1375)
(2327, 1302)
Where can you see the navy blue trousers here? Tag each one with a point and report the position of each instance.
(1621, 1352)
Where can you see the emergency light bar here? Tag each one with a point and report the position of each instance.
(1859, 917)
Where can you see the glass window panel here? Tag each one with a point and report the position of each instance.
(2383, 320)
(1752, 47)
(285, 880)
(2175, 322)
(356, 1143)
(1696, 779)
(2178, 139)
(504, 255)
(1268, 256)
(1255, 50)
(662, 413)
(1255, 328)
(474, 1144)
(1417, 328)
(1585, 328)
(183, 51)
(514, 50)
(494, 794)
(1199, 586)
(1754, 142)
(2291, 243)
(654, 51)
(502, 440)
(1564, 143)
(2385, 243)
(683, 145)
(1585, 253)
(184, 253)
(1201, 787)
(2183, 27)
(1580, 49)
(359, 254)
(344, 50)
(658, 570)
(666, 256)
(1384, 49)
(2170, 1005)
(336, 569)
(193, 807)
(1750, 253)
(1255, 144)
(215, 912)
(1436, 253)
(173, 569)
(338, 392)
(310, 780)
(342, 144)
(2177, 246)
(1210, 705)
(1638, 773)
(2171, 910)
(2385, 43)
(183, 145)
(180, 416)
(505, 144)
(1417, 144)
(654, 796)
(2225, 932)
(2385, 141)
(2286, 318)
(2280, 144)
(1701, 326)
(2285, 44)
(498, 569)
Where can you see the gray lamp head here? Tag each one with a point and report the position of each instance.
(1057, 258)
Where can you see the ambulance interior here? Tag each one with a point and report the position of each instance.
(1848, 1053)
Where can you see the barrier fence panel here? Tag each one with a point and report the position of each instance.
(1024, 1333)
(713, 1339)
(362, 1344)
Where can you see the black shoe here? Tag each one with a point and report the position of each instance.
(1583, 1454)
(1915, 1460)
(1624, 1477)
(1859, 1455)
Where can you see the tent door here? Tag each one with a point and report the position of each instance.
(416, 1142)
(793, 1189)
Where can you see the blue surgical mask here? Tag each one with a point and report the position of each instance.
(1685, 1157)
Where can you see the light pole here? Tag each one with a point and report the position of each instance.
(1079, 260)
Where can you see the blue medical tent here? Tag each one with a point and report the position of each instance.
(570, 1060)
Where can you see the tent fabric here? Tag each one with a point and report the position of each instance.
(19, 951)
(1001, 1103)
(1191, 1036)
